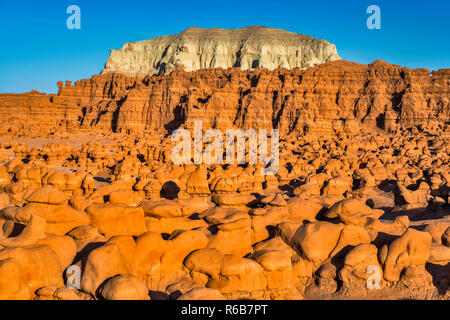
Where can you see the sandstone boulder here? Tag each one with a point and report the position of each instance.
(117, 219)
(124, 287)
(412, 248)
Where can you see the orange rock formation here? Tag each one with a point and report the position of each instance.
(335, 97)
(358, 208)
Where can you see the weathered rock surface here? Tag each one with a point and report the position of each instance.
(334, 97)
(339, 211)
(197, 48)
(87, 183)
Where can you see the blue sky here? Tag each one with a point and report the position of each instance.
(37, 49)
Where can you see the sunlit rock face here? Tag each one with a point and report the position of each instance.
(197, 48)
(331, 98)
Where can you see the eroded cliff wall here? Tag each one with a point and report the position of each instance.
(196, 48)
(334, 97)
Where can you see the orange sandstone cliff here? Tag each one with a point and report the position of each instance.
(333, 97)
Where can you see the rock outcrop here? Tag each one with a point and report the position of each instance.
(196, 48)
(331, 223)
(332, 98)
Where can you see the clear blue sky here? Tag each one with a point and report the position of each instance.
(37, 49)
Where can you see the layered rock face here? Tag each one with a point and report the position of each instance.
(365, 216)
(197, 48)
(335, 97)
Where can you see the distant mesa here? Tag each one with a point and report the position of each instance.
(254, 77)
(198, 48)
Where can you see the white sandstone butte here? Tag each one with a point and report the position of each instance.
(198, 48)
